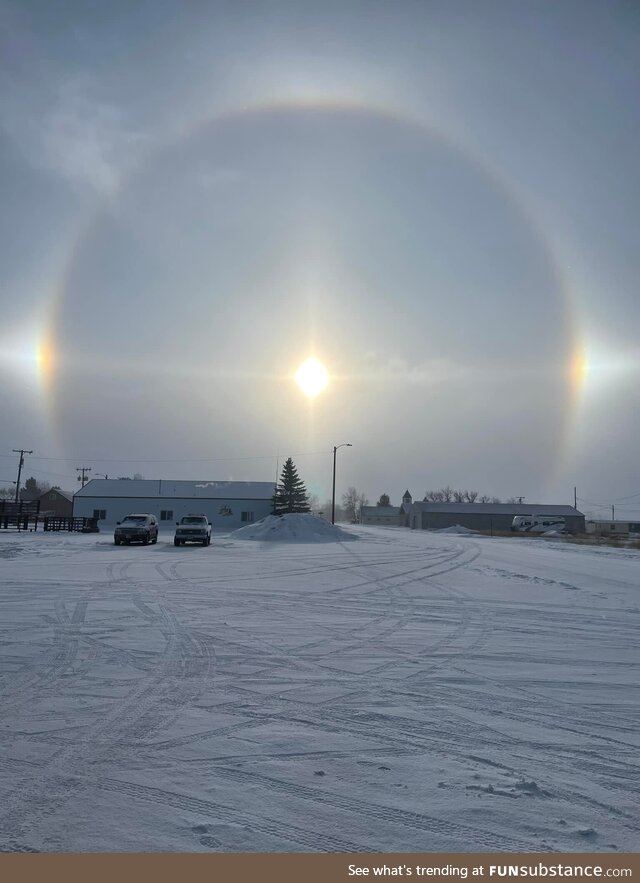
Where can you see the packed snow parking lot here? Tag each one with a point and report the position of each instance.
(406, 691)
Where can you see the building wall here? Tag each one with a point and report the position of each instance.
(484, 522)
(474, 521)
(380, 519)
(613, 527)
(53, 503)
(116, 508)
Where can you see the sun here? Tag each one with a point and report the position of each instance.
(312, 377)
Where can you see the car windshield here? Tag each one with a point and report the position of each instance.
(134, 519)
(194, 519)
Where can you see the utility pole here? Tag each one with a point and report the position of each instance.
(613, 512)
(575, 497)
(275, 491)
(22, 452)
(520, 500)
(333, 491)
(82, 477)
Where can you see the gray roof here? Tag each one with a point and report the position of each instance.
(387, 511)
(28, 496)
(498, 508)
(163, 488)
(56, 490)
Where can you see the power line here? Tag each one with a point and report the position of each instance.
(630, 497)
(173, 460)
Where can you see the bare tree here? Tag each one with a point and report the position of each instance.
(352, 503)
(7, 493)
(512, 500)
(448, 495)
(496, 500)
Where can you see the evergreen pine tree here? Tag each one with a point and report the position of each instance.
(291, 494)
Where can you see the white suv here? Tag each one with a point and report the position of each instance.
(193, 529)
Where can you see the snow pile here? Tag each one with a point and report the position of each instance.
(457, 529)
(293, 528)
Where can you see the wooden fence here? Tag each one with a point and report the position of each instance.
(59, 522)
(19, 516)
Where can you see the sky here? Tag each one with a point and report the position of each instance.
(436, 200)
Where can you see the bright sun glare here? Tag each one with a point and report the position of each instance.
(312, 377)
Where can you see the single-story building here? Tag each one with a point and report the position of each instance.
(613, 528)
(227, 504)
(487, 516)
(380, 515)
(56, 503)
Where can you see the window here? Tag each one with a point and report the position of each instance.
(166, 515)
(246, 516)
(100, 514)
(53, 496)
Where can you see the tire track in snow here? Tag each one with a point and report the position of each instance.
(459, 833)
(366, 679)
(128, 719)
(57, 661)
(316, 841)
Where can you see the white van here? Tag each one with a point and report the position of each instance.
(538, 523)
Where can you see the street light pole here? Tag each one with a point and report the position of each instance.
(333, 494)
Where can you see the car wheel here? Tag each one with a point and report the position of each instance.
(176, 542)
(146, 539)
(116, 542)
(155, 539)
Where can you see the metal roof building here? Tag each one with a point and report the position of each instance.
(380, 515)
(227, 504)
(487, 516)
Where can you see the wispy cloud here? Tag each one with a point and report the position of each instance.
(65, 127)
(432, 372)
(86, 140)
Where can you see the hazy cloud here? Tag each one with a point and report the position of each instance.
(68, 130)
(432, 372)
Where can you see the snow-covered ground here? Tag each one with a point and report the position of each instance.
(406, 692)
